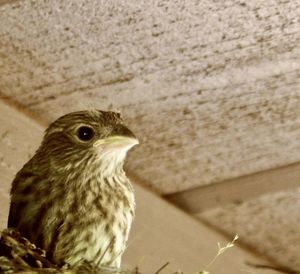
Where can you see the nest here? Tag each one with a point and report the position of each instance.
(19, 255)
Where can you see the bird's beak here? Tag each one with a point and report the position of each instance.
(120, 138)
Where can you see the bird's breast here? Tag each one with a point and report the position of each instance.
(99, 224)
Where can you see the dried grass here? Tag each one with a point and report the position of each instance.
(19, 256)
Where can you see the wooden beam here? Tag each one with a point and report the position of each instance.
(237, 190)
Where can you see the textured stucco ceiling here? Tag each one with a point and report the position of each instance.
(211, 88)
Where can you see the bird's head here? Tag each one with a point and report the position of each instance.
(88, 137)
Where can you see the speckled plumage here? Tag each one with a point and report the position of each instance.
(73, 198)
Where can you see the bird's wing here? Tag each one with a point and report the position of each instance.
(29, 213)
(12, 217)
(20, 196)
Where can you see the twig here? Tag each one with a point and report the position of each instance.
(161, 268)
(106, 249)
(33, 252)
(221, 250)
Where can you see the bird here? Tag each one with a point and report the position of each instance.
(73, 198)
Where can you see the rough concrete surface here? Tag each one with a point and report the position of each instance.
(210, 87)
(269, 225)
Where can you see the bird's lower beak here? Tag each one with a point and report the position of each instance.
(120, 138)
(117, 142)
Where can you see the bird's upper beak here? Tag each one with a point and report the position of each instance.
(120, 138)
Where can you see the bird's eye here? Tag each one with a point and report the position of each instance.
(85, 133)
